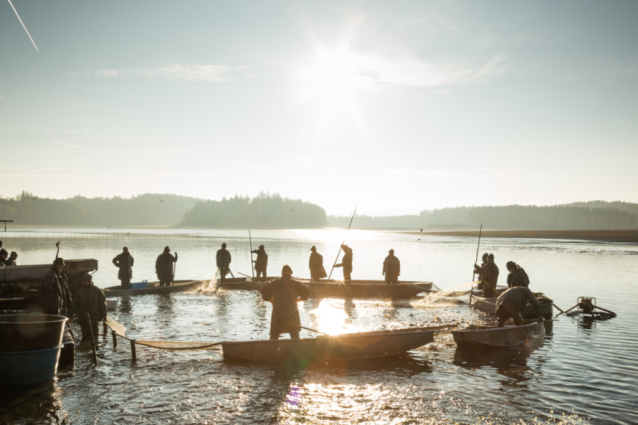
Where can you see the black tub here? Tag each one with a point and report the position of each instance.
(27, 332)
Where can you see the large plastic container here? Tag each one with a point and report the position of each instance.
(28, 367)
(27, 332)
(139, 285)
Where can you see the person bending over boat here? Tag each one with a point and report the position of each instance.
(223, 262)
(512, 302)
(480, 271)
(54, 296)
(517, 276)
(283, 294)
(124, 262)
(346, 263)
(490, 278)
(315, 264)
(391, 269)
(164, 267)
(89, 299)
(261, 263)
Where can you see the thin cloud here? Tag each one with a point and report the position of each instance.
(23, 26)
(62, 143)
(194, 73)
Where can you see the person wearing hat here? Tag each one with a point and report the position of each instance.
(124, 262)
(346, 263)
(164, 267)
(261, 263)
(283, 294)
(89, 299)
(12, 259)
(479, 270)
(223, 262)
(316, 265)
(391, 268)
(4, 255)
(490, 278)
(517, 276)
(54, 296)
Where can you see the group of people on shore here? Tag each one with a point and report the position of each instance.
(511, 302)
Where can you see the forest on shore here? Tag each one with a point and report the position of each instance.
(272, 211)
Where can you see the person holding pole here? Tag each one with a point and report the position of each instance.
(346, 263)
(261, 263)
(283, 294)
(490, 278)
(164, 267)
(480, 271)
(223, 259)
(89, 299)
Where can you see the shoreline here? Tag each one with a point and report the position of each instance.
(627, 236)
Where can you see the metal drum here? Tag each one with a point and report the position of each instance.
(28, 367)
(27, 332)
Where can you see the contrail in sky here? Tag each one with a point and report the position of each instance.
(25, 28)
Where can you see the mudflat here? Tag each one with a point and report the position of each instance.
(630, 236)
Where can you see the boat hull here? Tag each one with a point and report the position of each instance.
(348, 347)
(31, 274)
(154, 288)
(507, 337)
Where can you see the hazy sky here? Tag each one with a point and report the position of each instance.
(394, 106)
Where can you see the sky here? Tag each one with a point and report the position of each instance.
(391, 106)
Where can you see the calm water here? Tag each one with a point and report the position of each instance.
(580, 371)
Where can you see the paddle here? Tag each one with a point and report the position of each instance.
(344, 241)
(252, 264)
(476, 261)
(303, 327)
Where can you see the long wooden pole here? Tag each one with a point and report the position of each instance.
(478, 247)
(344, 241)
(252, 267)
(90, 326)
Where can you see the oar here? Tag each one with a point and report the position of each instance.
(344, 241)
(252, 265)
(303, 327)
(562, 311)
(243, 274)
(476, 261)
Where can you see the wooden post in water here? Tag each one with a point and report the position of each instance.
(133, 353)
(88, 317)
(104, 328)
(114, 339)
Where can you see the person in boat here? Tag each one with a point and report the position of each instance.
(261, 263)
(4, 256)
(223, 262)
(54, 296)
(517, 276)
(283, 294)
(346, 263)
(391, 268)
(315, 264)
(164, 267)
(512, 302)
(480, 270)
(89, 299)
(124, 262)
(490, 278)
(11, 261)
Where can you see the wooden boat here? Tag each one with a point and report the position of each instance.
(488, 305)
(30, 275)
(155, 288)
(507, 337)
(346, 347)
(339, 289)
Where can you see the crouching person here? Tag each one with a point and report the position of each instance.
(89, 299)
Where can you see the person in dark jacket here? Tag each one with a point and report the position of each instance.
(512, 302)
(346, 263)
(164, 267)
(261, 263)
(4, 255)
(283, 294)
(391, 268)
(89, 299)
(124, 262)
(490, 278)
(517, 276)
(480, 270)
(223, 262)
(54, 296)
(316, 265)
(11, 261)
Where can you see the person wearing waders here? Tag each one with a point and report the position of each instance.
(164, 267)
(346, 263)
(512, 302)
(223, 262)
(316, 265)
(391, 269)
(283, 294)
(490, 278)
(54, 296)
(89, 299)
(480, 271)
(124, 262)
(261, 263)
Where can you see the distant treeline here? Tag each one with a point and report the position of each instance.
(263, 211)
(150, 209)
(595, 215)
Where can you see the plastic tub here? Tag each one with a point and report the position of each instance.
(28, 332)
(28, 367)
(139, 285)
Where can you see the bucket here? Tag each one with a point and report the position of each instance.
(139, 285)
(111, 304)
(28, 367)
(28, 332)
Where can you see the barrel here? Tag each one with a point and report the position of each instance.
(28, 332)
(28, 367)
